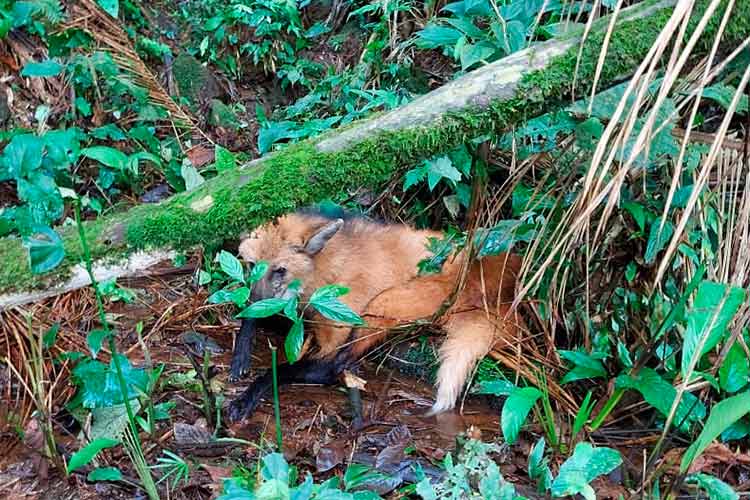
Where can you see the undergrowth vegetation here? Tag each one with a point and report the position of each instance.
(630, 205)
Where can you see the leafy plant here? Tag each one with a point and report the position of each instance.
(482, 32)
(324, 300)
(586, 464)
(472, 475)
(276, 480)
(172, 465)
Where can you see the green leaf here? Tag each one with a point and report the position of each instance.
(263, 308)
(516, 409)
(715, 487)
(240, 295)
(723, 94)
(585, 366)
(105, 474)
(44, 69)
(660, 394)
(434, 36)
(471, 54)
(111, 421)
(204, 278)
(496, 387)
(44, 198)
(21, 157)
(111, 7)
(50, 336)
(723, 414)
(274, 132)
(705, 314)
(638, 213)
(85, 455)
(328, 292)
(538, 468)
(110, 157)
(191, 176)
(99, 385)
(46, 250)
(220, 296)
(325, 301)
(658, 239)
(586, 464)
(734, 373)
(294, 341)
(231, 266)
(95, 339)
(502, 237)
(224, 159)
(275, 467)
(737, 430)
(259, 270)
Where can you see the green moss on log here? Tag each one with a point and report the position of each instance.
(301, 174)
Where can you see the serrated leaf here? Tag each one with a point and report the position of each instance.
(263, 308)
(328, 292)
(723, 414)
(85, 455)
(516, 409)
(294, 340)
(105, 474)
(44, 69)
(46, 250)
(325, 301)
(231, 266)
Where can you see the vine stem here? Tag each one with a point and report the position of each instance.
(276, 406)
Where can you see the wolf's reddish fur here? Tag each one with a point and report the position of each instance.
(379, 265)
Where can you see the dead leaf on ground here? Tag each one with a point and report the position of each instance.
(330, 455)
(217, 474)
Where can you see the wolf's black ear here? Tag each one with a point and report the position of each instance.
(318, 240)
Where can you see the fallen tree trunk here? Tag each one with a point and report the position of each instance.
(366, 154)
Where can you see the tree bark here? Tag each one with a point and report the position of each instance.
(366, 154)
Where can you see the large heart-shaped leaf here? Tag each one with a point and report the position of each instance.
(46, 250)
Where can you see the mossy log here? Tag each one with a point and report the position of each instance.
(365, 154)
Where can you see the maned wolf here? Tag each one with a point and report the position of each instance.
(379, 263)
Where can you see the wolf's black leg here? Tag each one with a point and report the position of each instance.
(312, 371)
(243, 350)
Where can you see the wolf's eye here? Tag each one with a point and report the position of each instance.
(279, 272)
